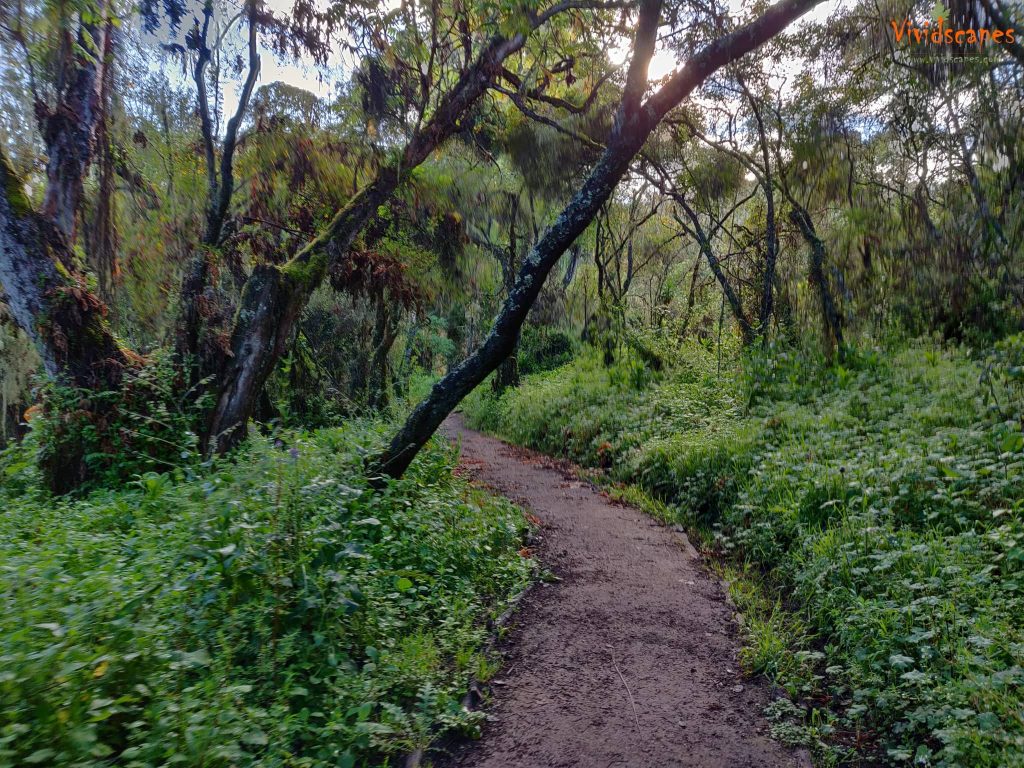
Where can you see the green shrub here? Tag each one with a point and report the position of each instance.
(91, 439)
(1003, 378)
(543, 349)
(274, 611)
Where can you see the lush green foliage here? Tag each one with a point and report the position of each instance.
(882, 502)
(270, 611)
(543, 349)
(145, 425)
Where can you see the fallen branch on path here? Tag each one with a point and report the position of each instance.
(632, 703)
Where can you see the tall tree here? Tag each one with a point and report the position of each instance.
(220, 180)
(634, 121)
(274, 295)
(45, 286)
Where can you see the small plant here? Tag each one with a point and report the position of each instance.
(543, 349)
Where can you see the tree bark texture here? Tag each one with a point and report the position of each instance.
(830, 314)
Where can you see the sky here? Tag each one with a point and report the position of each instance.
(322, 83)
(665, 62)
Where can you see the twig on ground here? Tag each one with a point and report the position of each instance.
(632, 703)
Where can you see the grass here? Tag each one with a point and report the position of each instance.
(868, 516)
(271, 611)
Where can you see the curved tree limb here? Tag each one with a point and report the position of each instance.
(634, 121)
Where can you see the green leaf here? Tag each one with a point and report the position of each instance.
(988, 721)
(256, 738)
(56, 629)
(200, 658)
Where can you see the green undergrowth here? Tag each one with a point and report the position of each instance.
(869, 518)
(271, 611)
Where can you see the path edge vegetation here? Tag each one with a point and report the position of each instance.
(276, 609)
(948, 476)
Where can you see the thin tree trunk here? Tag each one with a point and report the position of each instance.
(634, 121)
(830, 315)
(691, 297)
(771, 231)
(220, 189)
(735, 305)
(993, 229)
(384, 337)
(101, 236)
(508, 372)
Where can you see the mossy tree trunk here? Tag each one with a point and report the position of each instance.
(48, 298)
(385, 333)
(50, 301)
(43, 283)
(45, 288)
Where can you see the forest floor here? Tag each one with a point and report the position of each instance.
(629, 658)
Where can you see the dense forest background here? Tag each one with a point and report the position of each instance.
(765, 268)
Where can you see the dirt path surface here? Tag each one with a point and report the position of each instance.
(630, 659)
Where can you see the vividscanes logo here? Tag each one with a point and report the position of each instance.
(940, 30)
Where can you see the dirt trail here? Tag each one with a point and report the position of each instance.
(630, 659)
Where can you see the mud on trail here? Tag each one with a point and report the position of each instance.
(629, 659)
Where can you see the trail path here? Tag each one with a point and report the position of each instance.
(629, 660)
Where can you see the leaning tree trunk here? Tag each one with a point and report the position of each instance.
(634, 122)
(271, 302)
(708, 250)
